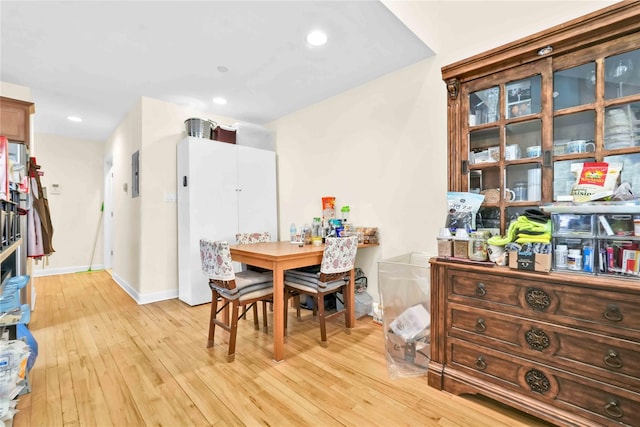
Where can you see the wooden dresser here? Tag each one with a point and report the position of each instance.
(549, 344)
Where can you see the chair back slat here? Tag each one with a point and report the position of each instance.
(339, 254)
(216, 260)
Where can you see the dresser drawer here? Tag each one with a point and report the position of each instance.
(613, 313)
(596, 356)
(601, 403)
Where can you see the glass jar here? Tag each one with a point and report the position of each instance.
(478, 246)
(520, 191)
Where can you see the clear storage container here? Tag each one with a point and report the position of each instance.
(405, 296)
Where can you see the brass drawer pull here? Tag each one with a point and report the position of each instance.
(537, 381)
(480, 363)
(537, 339)
(613, 313)
(480, 289)
(613, 409)
(537, 299)
(480, 325)
(612, 360)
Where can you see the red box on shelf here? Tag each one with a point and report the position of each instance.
(224, 134)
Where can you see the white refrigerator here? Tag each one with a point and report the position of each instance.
(222, 189)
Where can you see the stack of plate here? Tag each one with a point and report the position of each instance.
(621, 129)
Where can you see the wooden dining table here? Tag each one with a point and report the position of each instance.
(281, 256)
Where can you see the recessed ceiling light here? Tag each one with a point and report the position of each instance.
(222, 68)
(316, 38)
(219, 101)
(74, 119)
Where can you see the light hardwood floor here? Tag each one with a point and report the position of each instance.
(106, 361)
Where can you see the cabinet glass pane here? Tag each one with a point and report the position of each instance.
(524, 183)
(523, 97)
(523, 140)
(484, 105)
(574, 86)
(630, 169)
(488, 217)
(573, 127)
(484, 146)
(622, 126)
(486, 179)
(621, 75)
(563, 179)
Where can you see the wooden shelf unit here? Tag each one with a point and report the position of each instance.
(15, 118)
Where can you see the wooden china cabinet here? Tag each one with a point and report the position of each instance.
(563, 347)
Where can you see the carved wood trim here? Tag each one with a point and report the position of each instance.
(453, 87)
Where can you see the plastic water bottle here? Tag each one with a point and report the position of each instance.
(346, 211)
(293, 231)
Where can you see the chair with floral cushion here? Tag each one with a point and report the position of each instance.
(250, 238)
(241, 289)
(247, 239)
(338, 259)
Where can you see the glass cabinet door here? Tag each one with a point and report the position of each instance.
(621, 75)
(483, 106)
(584, 131)
(505, 147)
(523, 97)
(523, 128)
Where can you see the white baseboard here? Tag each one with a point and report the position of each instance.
(144, 298)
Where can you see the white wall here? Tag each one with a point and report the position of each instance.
(76, 166)
(372, 149)
(127, 215)
(13, 91)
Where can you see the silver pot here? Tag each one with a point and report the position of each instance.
(199, 128)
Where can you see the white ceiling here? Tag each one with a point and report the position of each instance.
(94, 59)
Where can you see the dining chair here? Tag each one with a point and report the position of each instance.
(338, 259)
(247, 239)
(250, 238)
(241, 289)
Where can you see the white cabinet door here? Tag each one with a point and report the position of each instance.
(207, 208)
(222, 189)
(257, 202)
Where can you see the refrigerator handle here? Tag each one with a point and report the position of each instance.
(184, 181)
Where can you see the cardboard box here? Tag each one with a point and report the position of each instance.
(529, 261)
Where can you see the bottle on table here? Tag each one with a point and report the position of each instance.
(316, 231)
